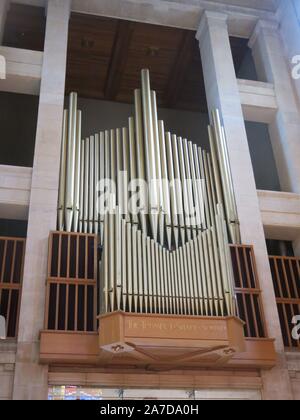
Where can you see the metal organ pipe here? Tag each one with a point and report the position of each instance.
(76, 207)
(63, 175)
(71, 162)
(172, 256)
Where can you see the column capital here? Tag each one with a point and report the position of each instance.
(263, 26)
(63, 7)
(209, 19)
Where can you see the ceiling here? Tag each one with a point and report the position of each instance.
(105, 57)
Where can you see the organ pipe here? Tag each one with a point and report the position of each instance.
(63, 177)
(71, 162)
(171, 256)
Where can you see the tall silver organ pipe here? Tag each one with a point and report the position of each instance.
(180, 282)
(171, 255)
(71, 162)
(63, 175)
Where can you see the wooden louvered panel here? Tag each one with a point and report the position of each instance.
(286, 280)
(12, 252)
(71, 301)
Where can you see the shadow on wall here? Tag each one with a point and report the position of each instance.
(263, 161)
(13, 228)
(100, 115)
(18, 120)
(247, 70)
(280, 248)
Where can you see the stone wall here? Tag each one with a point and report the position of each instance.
(7, 369)
(294, 369)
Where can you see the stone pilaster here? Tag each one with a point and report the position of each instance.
(289, 17)
(272, 65)
(223, 93)
(4, 5)
(31, 379)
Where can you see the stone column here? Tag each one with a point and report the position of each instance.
(289, 16)
(31, 379)
(272, 65)
(222, 93)
(4, 4)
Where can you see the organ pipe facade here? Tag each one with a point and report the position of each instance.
(163, 207)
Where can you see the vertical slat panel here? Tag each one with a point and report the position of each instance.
(73, 294)
(57, 306)
(4, 261)
(186, 262)
(47, 306)
(68, 256)
(286, 278)
(95, 300)
(76, 308)
(8, 311)
(85, 307)
(77, 256)
(67, 308)
(247, 290)
(59, 256)
(12, 270)
(11, 278)
(293, 278)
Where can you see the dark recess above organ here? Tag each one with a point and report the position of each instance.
(25, 27)
(105, 56)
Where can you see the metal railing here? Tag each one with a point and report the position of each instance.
(247, 289)
(12, 252)
(71, 300)
(286, 280)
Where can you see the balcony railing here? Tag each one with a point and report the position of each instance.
(71, 303)
(286, 280)
(11, 275)
(248, 293)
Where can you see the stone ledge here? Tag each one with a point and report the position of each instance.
(15, 187)
(280, 213)
(24, 71)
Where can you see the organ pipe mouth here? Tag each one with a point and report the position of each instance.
(166, 252)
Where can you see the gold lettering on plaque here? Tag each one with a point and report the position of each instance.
(171, 327)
